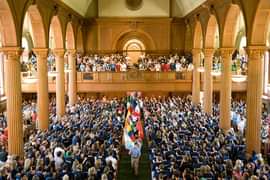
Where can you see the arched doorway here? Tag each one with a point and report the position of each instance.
(134, 49)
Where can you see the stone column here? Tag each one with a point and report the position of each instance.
(254, 98)
(196, 77)
(42, 88)
(14, 100)
(60, 82)
(208, 80)
(72, 82)
(226, 89)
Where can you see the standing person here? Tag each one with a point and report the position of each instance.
(135, 153)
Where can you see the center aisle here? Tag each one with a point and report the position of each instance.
(125, 172)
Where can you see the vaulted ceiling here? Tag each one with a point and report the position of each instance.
(80, 6)
(186, 6)
(180, 8)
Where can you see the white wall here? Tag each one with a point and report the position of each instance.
(150, 8)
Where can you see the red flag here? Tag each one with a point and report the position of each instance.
(140, 129)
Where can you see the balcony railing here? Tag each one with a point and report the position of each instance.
(125, 81)
(129, 76)
(140, 76)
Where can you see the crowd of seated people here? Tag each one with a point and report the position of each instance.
(186, 143)
(165, 64)
(238, 67)
(239, 120)
(239, 63)
(29, 116)
(120, 63)
(84, 144)
(29, 64)
(3, 136)
(97, 63)
(238, 115)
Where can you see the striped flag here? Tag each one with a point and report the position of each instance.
(133, 129)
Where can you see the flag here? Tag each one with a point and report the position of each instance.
(140, 129)
(133, 129)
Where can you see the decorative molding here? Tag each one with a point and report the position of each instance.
(41, 52)
(59, 52)
(209, 52)
(226, 52)
(13, 53)
(196, 51)
(256, 52)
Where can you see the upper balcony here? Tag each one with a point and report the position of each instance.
(132, 80)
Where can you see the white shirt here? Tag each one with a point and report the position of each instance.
(58, 160)
(178, 67)
(157, 67)
(241, 126)
(123, 67)
(113, 160)
(58, 149)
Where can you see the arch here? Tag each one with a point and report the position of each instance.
(188, 38)
(56, 35)
(133, 42)
(261, 24)
(230, 30)
(124, 37)
(7, 25)
(198, 36)
(134, 49)
(268, 39)
(212, 33)
(70, 40)
(79, 40)
(239, 37)
(29, 40)
(37, 26)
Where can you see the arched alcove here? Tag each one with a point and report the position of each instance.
(212, 34)
(34, 26)
(79, 40)
(7, 26)
(70, 40)
(234, 26)
(133, 49)
(124, 37)
(8, 37)
(55, 35)
(198, 37)
(260, 24)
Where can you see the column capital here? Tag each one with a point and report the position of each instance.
(12, 52)
(42, 52)
(255, 51)
(196, 51)
(72, 51)
(59, 52)
(226, 52)
(209, 52)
